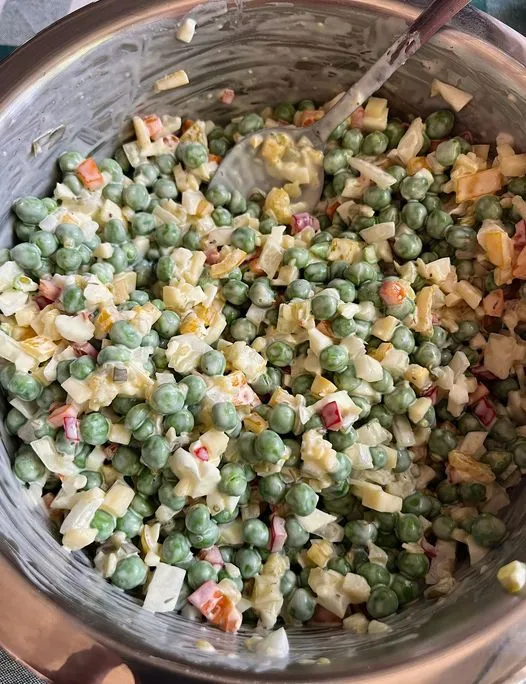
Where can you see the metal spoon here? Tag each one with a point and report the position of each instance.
(244, 170)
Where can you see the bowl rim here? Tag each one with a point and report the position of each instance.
(59, 43)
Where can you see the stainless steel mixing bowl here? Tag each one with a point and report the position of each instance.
(75, 86)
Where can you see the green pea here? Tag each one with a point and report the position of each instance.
(377, 198)
(28, 467)
(382, 602)
(94, 428)
(235, 292)
(255, 532)
(416, 503)
(269, 447)
(181, 421)
(399, 400)
(191, 154)
(346, 380)
(168, 235)
(261, 294)
(395, 131)
(447, 493)
(300, 605)
(167, 398)
(82, 367)
(441, 442)
(403, 339)
(408, 246)
(279, 354)
(136, 197)
(168, 497)
(375, 574)
(335, 160)
(199, 573)
(298, 289)
(224, 415)
(414, 187)
(282, 418)
(30, 210)
(406, 589)
(243, 330)
(168, 324)
(155, 452)
(504, 430)
(272, 488)
(499, 461)
(24, 386)
(360, 273)
(27, 255)
(352, 140)
(375, 143)
(125, 334)
(443, 527)
(212, 363)
(248, 561)
(146, 430)
(447, 152)
(487, 530)
(414, 215)
(439, 124)
(408, 528)
(129, 573)
(334, 358)
(343, 327)
(196, 389)
(104, 523)
(428, 355)
(360, 532)
(345, 288)
(45, 242)
(175, 549)
(267, 382)
(324, 306)
(317, 272)
(461, 237)
(250, 123)
(14, 421)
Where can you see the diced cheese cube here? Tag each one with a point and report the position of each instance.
(356, 587)
(78, 390)
(321, 387)
(382, 501)
(119, 434)
(419, 408)
(384, 328)
(75, 328)
(186, 31)
(318, 341)
(118, 499)
(469, 293)
(356, 623)
(513, 576)
(368, 369)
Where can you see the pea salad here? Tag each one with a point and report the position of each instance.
(252, 414)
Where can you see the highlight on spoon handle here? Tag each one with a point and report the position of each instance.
(420, 31)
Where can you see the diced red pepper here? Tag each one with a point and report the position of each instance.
(481, 392)
(278, 534)
(331, 416)
(392, 292)
(71, 428)
(226, 96)
(154, 125)
(431, 392)
(49, 289)
(331, 209)
(57, 417)
(201, 453)
(304, 220)
(89, 175)
(519, 239)
(484, 412)
(482, 373)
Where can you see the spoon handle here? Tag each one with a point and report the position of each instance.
(420, 31)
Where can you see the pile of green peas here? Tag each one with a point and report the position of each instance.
(417, 205)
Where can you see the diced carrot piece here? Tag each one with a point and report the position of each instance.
(308, 117)
(392, 292)
(154, 125)
(486, 182)
(331, 209)
(187, 123)
(493, 303)
(89, 174)
(215, 158)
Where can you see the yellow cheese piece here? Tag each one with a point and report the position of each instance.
(233, 259)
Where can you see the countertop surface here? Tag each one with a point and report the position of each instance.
(20, 20)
